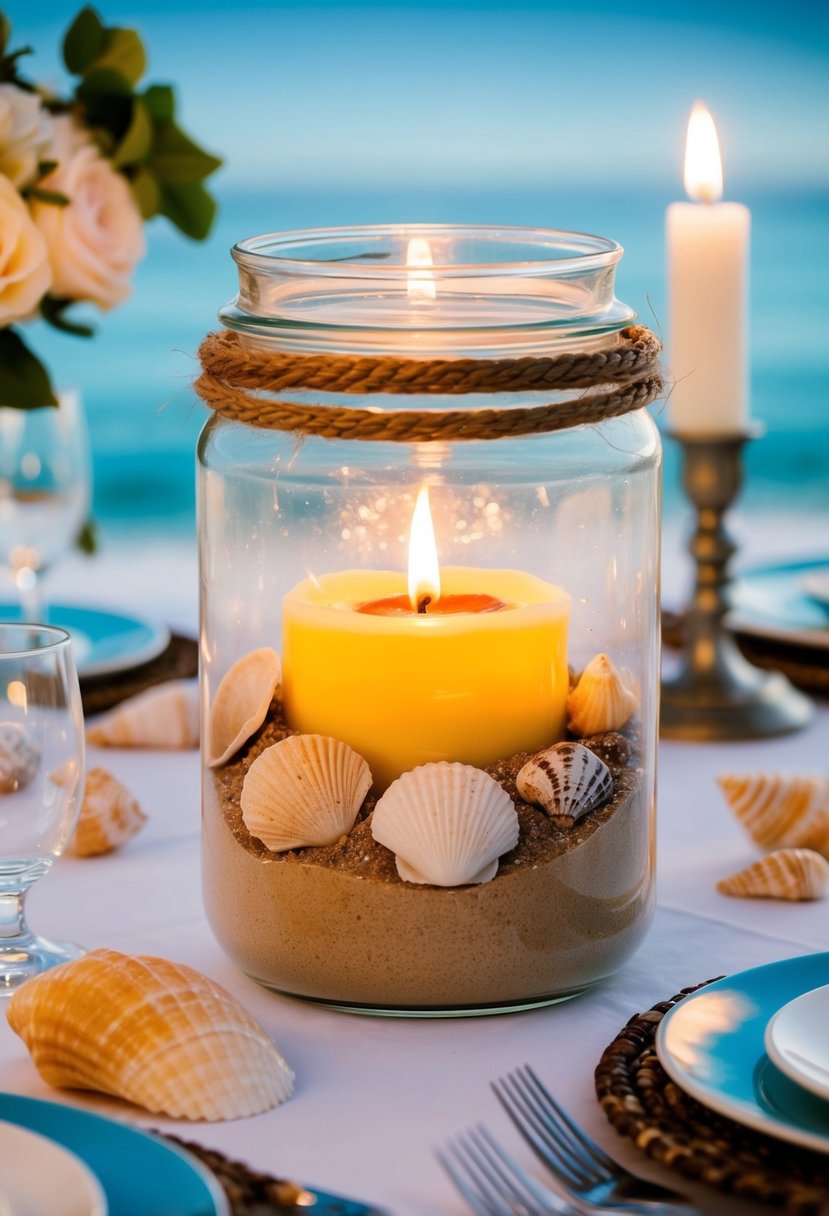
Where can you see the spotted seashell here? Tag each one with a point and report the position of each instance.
(611, 747)
(601, 701)
(153, 1032)
(166, 716)
(241, 703)
(567, 781)
(19, 757)
(785, 812)
(304, 790)
(109, 816)
(785, 874)
(447, 824)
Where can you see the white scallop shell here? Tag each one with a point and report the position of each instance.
(19, 757)
(109, 816)
(567, 781)
(241, 703)
(447, 824)
(166, 716)
(792, 874)
(304, 790)
(601, 700)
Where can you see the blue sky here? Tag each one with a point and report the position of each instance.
(484, 93)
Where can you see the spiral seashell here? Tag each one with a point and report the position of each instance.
(777, 811)
(304, 790)
(785, 874)
(567, 781)
(601, 701)
(447, 824)
(109, 816)
(241, 704)
(153, 1032)
(19, 757)
(166, 716)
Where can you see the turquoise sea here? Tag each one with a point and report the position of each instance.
(135, 375)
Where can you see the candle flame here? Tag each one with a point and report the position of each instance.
(424, 571)
(703, 166)
(420, 283)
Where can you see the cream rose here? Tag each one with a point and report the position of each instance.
(24, 262)
(95, 240)
(25, 132)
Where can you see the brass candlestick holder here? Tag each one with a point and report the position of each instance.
(717, 693)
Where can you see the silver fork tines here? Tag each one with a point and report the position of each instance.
(583, 1169)
(492, 1183)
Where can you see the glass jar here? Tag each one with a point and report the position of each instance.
(547, 551)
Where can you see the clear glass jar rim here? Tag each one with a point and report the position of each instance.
(269, 252)
(55, 639)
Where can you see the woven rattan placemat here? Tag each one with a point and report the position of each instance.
(249, 1192)
(180, 661)
(669, 1125)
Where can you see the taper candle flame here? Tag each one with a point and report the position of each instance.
(424, 571)
(703, 166)
(421, 283)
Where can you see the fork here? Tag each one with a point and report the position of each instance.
(584, 1170)
(492, 1183)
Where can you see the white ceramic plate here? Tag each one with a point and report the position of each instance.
(797, 1042)
(41, 1178)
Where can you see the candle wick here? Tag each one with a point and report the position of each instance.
(423, 604)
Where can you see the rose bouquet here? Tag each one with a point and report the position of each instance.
(79, 174)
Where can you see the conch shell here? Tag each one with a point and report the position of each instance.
(447, 824)
(19, 757)
(109, 816)
(601, 701)
(786, 812)
(567, 780)
(784, 874)
(242, 700)
(304, 790)
(153, 1032)
(166, 716)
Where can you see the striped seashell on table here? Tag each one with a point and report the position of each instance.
(567, 781)
(166, 716)
(601, 700)
(109, 816)
(156, 1033)
(242, 701)
(779, 811)
(793, 874)
(304, 790)
(447, 824)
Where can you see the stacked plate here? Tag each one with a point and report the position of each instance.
(56, 1159)
(784, 603)
(755, 1047)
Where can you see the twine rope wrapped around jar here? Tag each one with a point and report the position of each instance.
(616, 380)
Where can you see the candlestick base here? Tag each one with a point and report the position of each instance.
(718, 694)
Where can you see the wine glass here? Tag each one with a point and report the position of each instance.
(41, 783)
(44, 491)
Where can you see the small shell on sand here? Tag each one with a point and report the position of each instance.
(109, 816)
(792, 874)
(166, 716)
(567, 781)
(19, 757)
(241, 703)
(781, 812)
(601, 701)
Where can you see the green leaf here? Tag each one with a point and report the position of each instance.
(123, 52)
(104, 83)
(138, 140)
(87, 538)
(5, 32)
(83, 41)
(47, 196)
(190, 208)
(24, 381)
(53, 310)
(177, 160)
(146, 192)
(160, 102)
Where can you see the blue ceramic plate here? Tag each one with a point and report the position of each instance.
(104, 642)
(780, 602)
(712, 1045)
(140, 1174)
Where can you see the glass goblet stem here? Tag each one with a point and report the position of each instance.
(29, 589)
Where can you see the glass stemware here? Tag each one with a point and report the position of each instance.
(41, 783)
(44, 491)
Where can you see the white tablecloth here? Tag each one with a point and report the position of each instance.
(374, 1096)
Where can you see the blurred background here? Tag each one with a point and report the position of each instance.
(555, 114)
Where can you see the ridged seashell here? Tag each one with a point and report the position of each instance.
(784, 874)
(109, 816)
(304, 790)
(242, 700)
(601, 701)
(787, 812)
(153, 1032)
(447, 824)
(166, 716)
(19, 757)
(567, 780)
